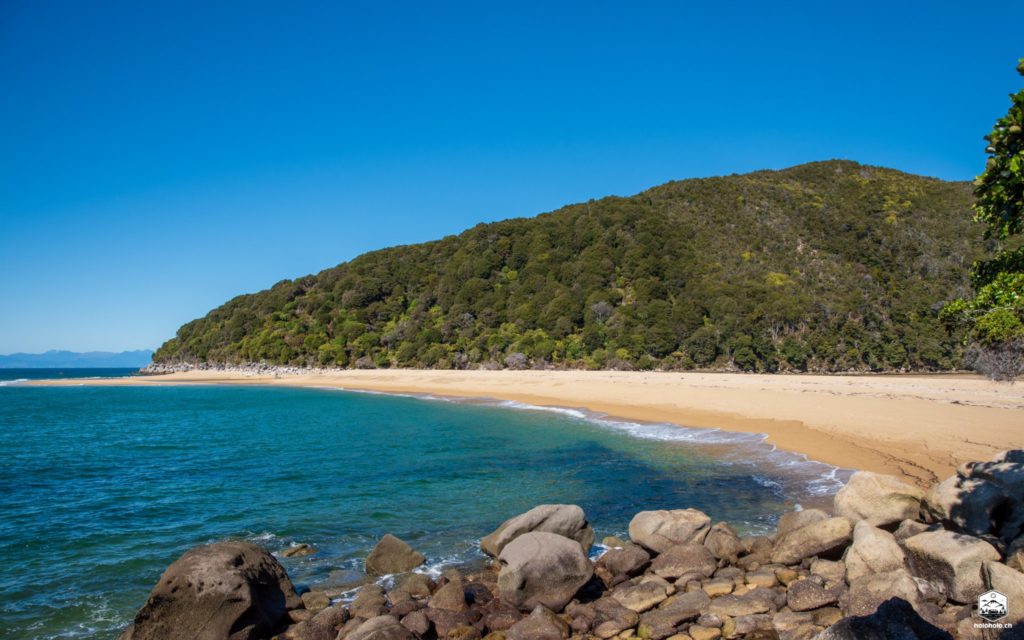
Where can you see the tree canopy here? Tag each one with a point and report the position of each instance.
(828, 266)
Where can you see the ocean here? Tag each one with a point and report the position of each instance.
(102, 487)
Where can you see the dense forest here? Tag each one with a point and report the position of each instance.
(828, 266)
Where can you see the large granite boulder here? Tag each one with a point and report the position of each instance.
(723, 542)
(1010, 583)
(223, 591)
(983, 498)
(867, 593)
(541, 568)
(692, 560)
(879, 499)
(952, 560)
(793, 520)
(873, 551)
(659, 530)
(567, 520)
(821, 538)
(621, 564)
(392, 555)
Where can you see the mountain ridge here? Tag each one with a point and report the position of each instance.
(825, 266)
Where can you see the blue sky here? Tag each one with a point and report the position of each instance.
(159, 158)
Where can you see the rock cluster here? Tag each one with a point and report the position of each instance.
(891, 561)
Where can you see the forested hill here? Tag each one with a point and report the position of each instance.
(828, 266)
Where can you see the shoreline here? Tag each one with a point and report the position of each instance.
(916, 426)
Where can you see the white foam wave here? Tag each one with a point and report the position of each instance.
(7, 383)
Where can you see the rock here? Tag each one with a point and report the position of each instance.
(612, 618)
(392, 555)
(826, 537)
(1015, 554)
(380, 628)
(540, 568)
(230, 590)
(787, 576)
(663, 621)
(909, 528)
(723, 543)
(324, 625)
(895, 619)
(452, 596)
(685, 559)
(873, 551)
(983, 498)
(794, 624)
(1010, 583)
(659, 530)
(805, 595)
(541, 624)
(567, 520)
(417, 623)
(417, 585)
(500, 616)
(831, 571)
(794, 520)
(477, 592)
(698, 632)
(757, 601)
(762, 578)
(709, 620)
(446, 620)
(879, 499)
(640, 597)
(369, 602)
(952, 560)
(718, 587)
(867, 593)
(299, 550)
(315, 600)
(618, 565)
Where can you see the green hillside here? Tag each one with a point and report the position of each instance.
(828, 266)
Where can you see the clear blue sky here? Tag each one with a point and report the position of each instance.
(158, 158)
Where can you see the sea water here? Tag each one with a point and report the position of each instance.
(102, 487)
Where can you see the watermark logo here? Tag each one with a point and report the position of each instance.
(992, 606)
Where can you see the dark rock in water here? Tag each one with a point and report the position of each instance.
(895, 619)
(228, 590)
(541, 624)
(659, 530)
(380, 628)
(392, 555)
(299, 550)
(566, 520)
(540, 568)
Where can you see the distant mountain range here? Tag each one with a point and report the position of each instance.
(827, 266)
(72, 359)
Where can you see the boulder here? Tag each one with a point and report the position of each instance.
(452, 596)
(830, 570)
(662, 622)
(618, 565)
(794, 520)
(640, 597)
(723, 542)
(659, 530)
(909, 528)
(612, 618)
(805, 595)
(541, 624)
(756, 601)
(894, 619)
(867, 593)
(1015, 554)
(540, 568)
(879, 499)
(983, 498)
(873, 551)
(392, 555)
(227, 590)
(369, 602)
(567, 520)
(324, 625)
(952, 560)
(689, 559)
(416, 622)
(1010, 583)
(825, 537)
(380, 628)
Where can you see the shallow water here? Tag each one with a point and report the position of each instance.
(101, 488)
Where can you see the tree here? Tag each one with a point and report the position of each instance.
(994, 318)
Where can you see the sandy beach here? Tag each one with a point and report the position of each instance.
(918, 426)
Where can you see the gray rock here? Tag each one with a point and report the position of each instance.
(952, 560)
(541, 624)
(324, 625)
(867, 593)
(659, 530)
(540, 568)
(723, 542)
(1015, 554)
(230, 590)
(640, 597)
(873, 551)
(831, 571)
(685, 559)
(805, 595)
(794, 520)
(983, 498)
(910, 528)
(618, 565)
(757, 601)
(612, 618)
(380, 628)
(878, 498)
(452, 596)
(392, 555)
(567, 520)
(1010, 583)
(416, 622)
(825, 537)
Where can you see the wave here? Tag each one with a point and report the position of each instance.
(7, 383)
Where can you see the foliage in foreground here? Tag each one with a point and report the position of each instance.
(829, 266)
(994, 318)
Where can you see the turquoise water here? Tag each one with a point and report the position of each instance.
(8, 376)
(102, 487)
